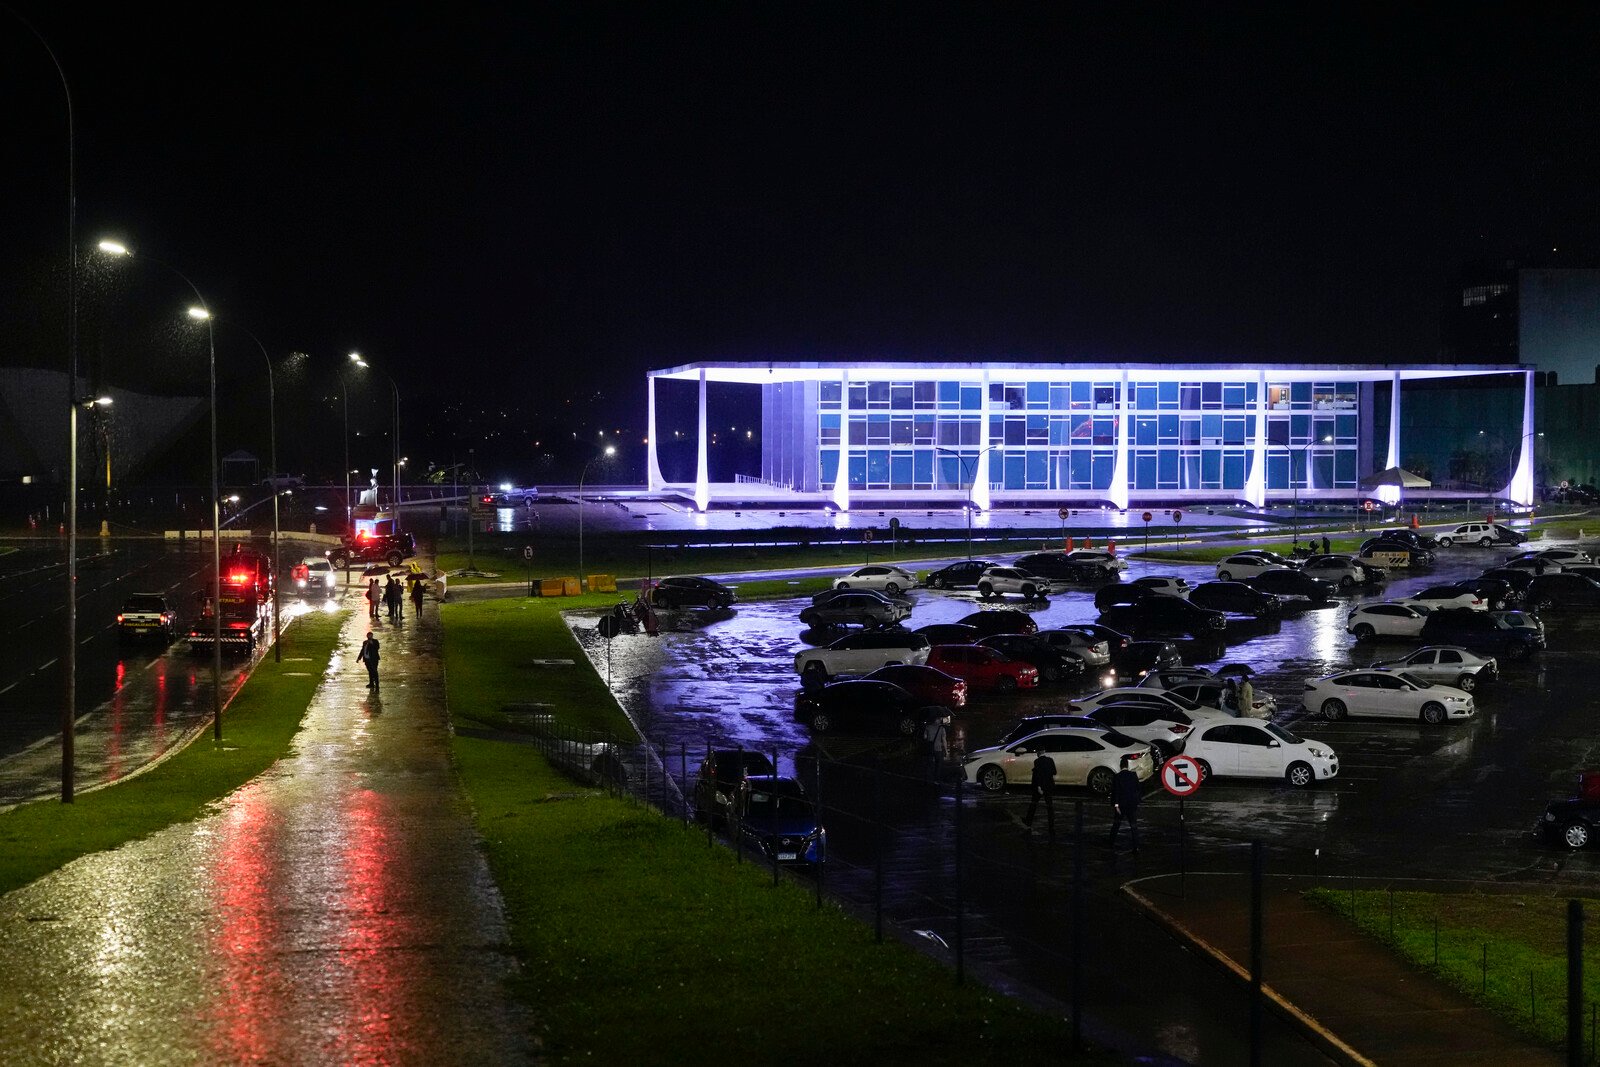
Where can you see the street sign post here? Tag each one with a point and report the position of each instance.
(1177, 517)
(527, 556)
(1061, 514)
(866, 540)
(1147, 517)
(1180, 776)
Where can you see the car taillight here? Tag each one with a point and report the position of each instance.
(1179, 728)
(119, 619)
(1310, 688)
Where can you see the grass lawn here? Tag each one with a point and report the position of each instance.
(37, 838)
(642, 945)
(1526, 937)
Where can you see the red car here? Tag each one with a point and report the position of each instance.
(1001, 621)
(983, 667)
(927, 684)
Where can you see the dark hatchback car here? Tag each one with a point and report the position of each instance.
(1570, 821)
(1057, 565)
(860, 607)
(775, 817)
(1165, 614)
(1283, 584)
(1414, 538)
(1561, 592)
(1518, 580)
(1481, 632)
(961, 575)
(1236, 597)
(721, 774)
(862, 706)
(1053, 664)
(1136, 657)
(1001, 621)
(692, 592)
(949, 633)
(1118, 593)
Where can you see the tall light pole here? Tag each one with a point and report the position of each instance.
(610, 451)
(272, 461)
(69, 658)
(344, 400)
(202, 313)
(356, 358)
(971, 480)
(1295, 482)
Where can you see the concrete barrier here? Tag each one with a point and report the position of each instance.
(602, 583)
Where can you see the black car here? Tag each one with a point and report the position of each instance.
(1414, 538)
(1571, 821)
(959, 575)
(390, 548)
(859, 607)
(691, 592)
(1165, 614)
(721, 773)
(1481, 632)
(1001, 621)
(1236, 597)
(949, 633)
(1497, 593)
(1561, 592)
(1293, 584)
(1058, 566)
(1518, 580)
(1053, 664)
(1118, 593)
(1136, 657)
(862, 706)
(1587, 570)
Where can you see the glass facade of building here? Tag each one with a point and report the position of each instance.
(1063, 435)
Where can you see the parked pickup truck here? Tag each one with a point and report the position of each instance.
(146, 615)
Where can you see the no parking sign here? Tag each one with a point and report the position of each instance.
(1180, 776)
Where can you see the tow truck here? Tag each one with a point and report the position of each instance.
(245, 603)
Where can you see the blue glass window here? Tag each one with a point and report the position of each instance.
(970, 430)
(1105, 432)
(858, 395)
(1167, 429)
(1167, 468)
(1039, 395)
(1144, 470)
(858, 470)
(949, 395)
(1233, 470)
(1277, 470)
(971, 398)
(1082, 394)
(1347, 427)
(950, 472)
(877, 467)
(1210, 395)
(1189, 431)
(1038, 429)
(1144, 396)
(1016, 431)
(830, 466)
(1299, 429)
(997, 429)
(1210, 468)
(1102, 466)
(877, 429)
(1060, 397)
(900, 470)
(1081, 477)
(923, 469)
(829, 394)
(922, 395)
(858, 429)
(1038, 469)
(1232, 430)
(900, 395)
(1233, 395)
(828, 429)
(1168, 392)
(899, 430)
(1300, 394)
(1210, 428)
(1144, 432)
(922, 429)
(1345, 469)
(1189, 461)
(1060, 430)
(1189, 396)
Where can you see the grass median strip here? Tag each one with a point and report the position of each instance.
(1505, 951)
(37, 838)
(641, 944)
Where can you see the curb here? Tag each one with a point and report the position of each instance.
(1325, 1038)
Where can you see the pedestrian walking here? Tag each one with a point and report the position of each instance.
(373, 596)
(369, 656)
(1327, 546)
(938, 743)
(1126, 793)
(1044, 788)
(416, 595)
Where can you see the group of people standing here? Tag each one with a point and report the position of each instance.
(393, 596)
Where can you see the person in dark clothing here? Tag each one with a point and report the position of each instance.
(416, 596)
(1126, 793)
(1044, 788)
(369, 656)
(391, 598)
(1326, 545)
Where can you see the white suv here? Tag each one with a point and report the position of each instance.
(859, 653)
(1013, 580)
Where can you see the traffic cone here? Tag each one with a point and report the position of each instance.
(1086, 543)
(1069, 544)
(1414, 523)
(1111, 547)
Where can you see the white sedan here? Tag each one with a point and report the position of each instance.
(1260, 750)
(879, 577)
(1246, 565)
(1386, 694)
(861, 652)
(1099, 558)
(1165, 583)
(1444, 596)
(1082, 757)
(1392, 619)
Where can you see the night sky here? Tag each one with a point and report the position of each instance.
(538, 203)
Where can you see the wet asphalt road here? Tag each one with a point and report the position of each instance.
(1411, 801)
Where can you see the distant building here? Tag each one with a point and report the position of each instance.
(1545, 317)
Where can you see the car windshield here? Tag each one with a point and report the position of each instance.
(767, 805)
(1414, 680)
(1183, 702)
(1118, 740)
(1281, 734)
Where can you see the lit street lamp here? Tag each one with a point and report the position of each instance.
(972, 483)
(610, 451)
(356, 358)
(1295, 482)
(203, 314)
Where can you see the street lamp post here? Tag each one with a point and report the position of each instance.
(972, 483)
(344, 401)
(356, 358)
(1295, 482)
(272, 461)
(203, 314)
(610, 451)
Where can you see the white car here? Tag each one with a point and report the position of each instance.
(1099, 557)
(1386, 694)
(997, 580)
(1211, 692)
(1164, 731)
(1246, 565)
(1560, 557)
(1094, 653)
(1166, 583)
(861, 652)
(314, 577)
(1082, 757)
(1391, 619)
(1446, 665)
(1151, 698)
(1245, 749)
(1533, 563)
(877, 577)
(1469, 533)
(1444, 596)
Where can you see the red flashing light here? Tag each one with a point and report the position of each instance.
(239, 577)
(119, 620)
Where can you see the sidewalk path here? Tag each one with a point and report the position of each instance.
(1361, 1001)
(334, 910)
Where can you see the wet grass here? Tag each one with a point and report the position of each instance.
(641, 944)
(1506, 952)
(258, 725)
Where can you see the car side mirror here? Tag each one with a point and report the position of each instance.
(1274, 744)
(1021, 750)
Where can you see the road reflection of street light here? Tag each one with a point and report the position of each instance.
(610, 451)
(971, 480)
(202, 313)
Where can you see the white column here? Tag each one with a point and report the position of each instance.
(1255, 484)
(980, 473)
(841, 481)
(702, 476)
(1119, 466)
(1390, 494)
(652, 466)
(1520, 489)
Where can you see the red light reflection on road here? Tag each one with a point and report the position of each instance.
(246, 939)
(373, 929)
